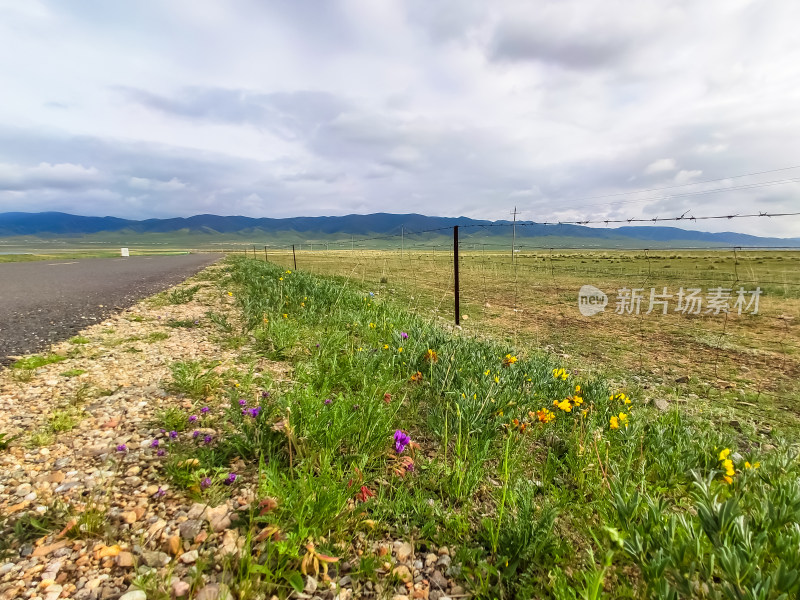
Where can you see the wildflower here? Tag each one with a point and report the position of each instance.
(154, 444)
(280, 278)
(285, 316)
(577, 388)
(124, 448)
(161, 452)
(173, 435)
(372, 325)
(193, 418)
(401, 440)
(431, 356)
(288, 272)
(560, 374)
(724, 454)
(242, 402)
(230, 293)
(387, 397)
(205, 410)
(328, 400)
(364, 494)
(621, 397)
(565, 405)
(207, 439)
(496, 379)
(160, 493)
(614, 423)
(404, 335)
(400, 350)
(487, 372)
(386, 346)
(509, 360)
(195, 433)
(205, 483)
(254, 412)
(577, 400)
(755, 465)
(266, 394)
(623, 419)
(416, 377)
(545, 416)
(230, 478)
(303, 304)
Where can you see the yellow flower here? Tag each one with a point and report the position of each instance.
(728, 479)
(266, 320)
(577, 388)
(509, 360)
(372, 325)
(280, 278)
(578, 400)
(302, 304)
(623, 418)
(727, 464)
(565, 406)
(496, 379)
(487, 371)
(614, 423)
(230, 293)
(724, 454)
(360, 349)
(285, 316)
(386, 346)
(755, 465)
(288, 271)
(560, 374)
(399, 350)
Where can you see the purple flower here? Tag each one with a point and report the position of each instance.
(205, 483)
(122, 448)
(265, 394)
(161, 452)
(173, 435)
(195, 433)
(410, 468)
(193, 418)
(328, 400)
(230, 478)
(242, 402)
(254, 412)
(204, 410)
(160, 493)
(404, 335)
(207, 439)
(154, 444)
(196, 321)
(317, 345)
(401, 440)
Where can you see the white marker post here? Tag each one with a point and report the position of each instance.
(124, 252)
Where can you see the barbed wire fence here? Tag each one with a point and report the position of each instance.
(747, 360)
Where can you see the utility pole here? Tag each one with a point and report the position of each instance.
(514, 234)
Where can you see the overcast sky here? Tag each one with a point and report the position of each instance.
(284, 108)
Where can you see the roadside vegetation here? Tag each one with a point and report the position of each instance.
(543, 480)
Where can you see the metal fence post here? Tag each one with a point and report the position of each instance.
(266, 259)
(294, 256)
(455, 274)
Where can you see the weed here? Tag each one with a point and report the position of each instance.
(63, 420)
(5, 440)
(156, 336)
(192, 378)
(37, 360)
(171, 419)
(187, 323)
(73, 372)
(182, 295)
(42, 437)
(220, 321)
(79, 339)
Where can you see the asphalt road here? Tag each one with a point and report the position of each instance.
(48, 301)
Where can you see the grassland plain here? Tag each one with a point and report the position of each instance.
(497, 469)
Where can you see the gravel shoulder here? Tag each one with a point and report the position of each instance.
(46, 302)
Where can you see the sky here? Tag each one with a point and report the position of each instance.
(564, 109)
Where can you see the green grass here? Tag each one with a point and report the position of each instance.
(565, 508)
(37, 360)
(182, 295)
(79, 339)
(156, 336)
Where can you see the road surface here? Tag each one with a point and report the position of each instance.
(48, 301)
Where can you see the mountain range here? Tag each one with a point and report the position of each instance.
(51, 224)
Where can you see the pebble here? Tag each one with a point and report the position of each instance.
(190, 557)
(134, 595)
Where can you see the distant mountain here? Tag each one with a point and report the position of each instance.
(49, 224)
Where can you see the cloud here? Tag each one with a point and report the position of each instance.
(45, 175)
(661, 165)
(563, 108)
